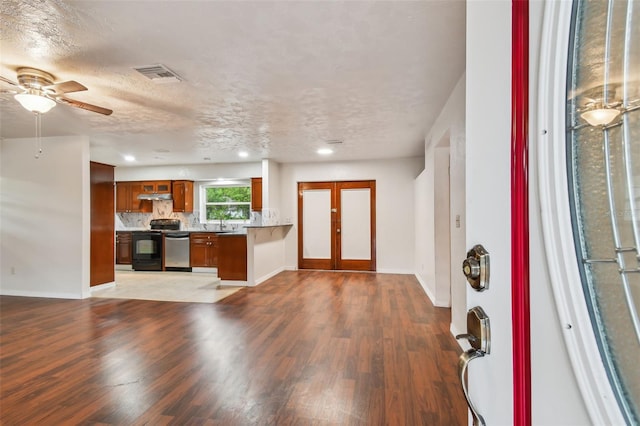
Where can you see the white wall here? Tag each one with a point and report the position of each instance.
(442, 226)
(271, 193)
(424, 230)
(265, 253)
(45, 213)
(450, 126)
(394, 204)
(193, 172)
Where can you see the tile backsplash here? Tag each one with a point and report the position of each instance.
(161, 210)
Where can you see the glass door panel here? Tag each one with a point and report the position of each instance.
(317, 211)
(355, 224)
(603, 154)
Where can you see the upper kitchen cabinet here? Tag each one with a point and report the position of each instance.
(127, 198)
(156, 187)
(182, 196)
(256, 194)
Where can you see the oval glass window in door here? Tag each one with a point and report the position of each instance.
(603, 156)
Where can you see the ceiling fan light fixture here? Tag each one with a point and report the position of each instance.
(600, 116)
(35, 103)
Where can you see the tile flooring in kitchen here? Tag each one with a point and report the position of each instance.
(194, 287)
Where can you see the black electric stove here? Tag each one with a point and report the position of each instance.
(147, 245)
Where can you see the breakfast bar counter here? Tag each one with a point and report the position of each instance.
(265, 251)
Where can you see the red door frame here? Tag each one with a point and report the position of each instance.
(520, 307)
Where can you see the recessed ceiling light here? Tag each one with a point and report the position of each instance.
(243, 154)
(324, 151)
(129, 158)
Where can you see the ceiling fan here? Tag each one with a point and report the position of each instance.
(39, 93)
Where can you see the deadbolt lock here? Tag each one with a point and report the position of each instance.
(476, 268)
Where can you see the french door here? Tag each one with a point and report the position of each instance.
(336, 225)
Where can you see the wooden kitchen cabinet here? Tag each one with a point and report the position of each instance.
(203, 249)
(256, 194)
(127, 198)
(101, 250)
(156, 187)
(232, 258)
(182, 196)
(123, 247)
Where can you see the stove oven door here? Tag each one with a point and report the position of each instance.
(147, 251)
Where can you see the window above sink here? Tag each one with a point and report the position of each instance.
(225, 201)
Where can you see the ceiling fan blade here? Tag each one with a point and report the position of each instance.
(88, 107)
(6, 80)
(10, 92)
(65, 87)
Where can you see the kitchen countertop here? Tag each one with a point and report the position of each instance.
(268, 226)
(240, 231)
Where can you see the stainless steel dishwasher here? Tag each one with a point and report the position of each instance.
(176, 251)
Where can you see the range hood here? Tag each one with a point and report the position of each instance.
(155, 197)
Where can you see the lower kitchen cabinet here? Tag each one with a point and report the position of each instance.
(123, 248)
(232, 258)
(203, 249)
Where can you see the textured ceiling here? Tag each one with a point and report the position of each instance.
(277, 79)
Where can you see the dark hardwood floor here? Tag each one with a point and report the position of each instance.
(303, 348)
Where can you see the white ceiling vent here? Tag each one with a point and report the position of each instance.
(334, 142)
(159, 74)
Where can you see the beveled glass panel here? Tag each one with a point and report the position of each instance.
(604, 174)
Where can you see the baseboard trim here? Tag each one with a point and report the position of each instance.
(395, 271)
(267, 276)
(44, 294)
(463, 343)
(102, 286)
(233, 283)
(200, 269)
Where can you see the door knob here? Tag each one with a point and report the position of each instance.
(476, 268)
